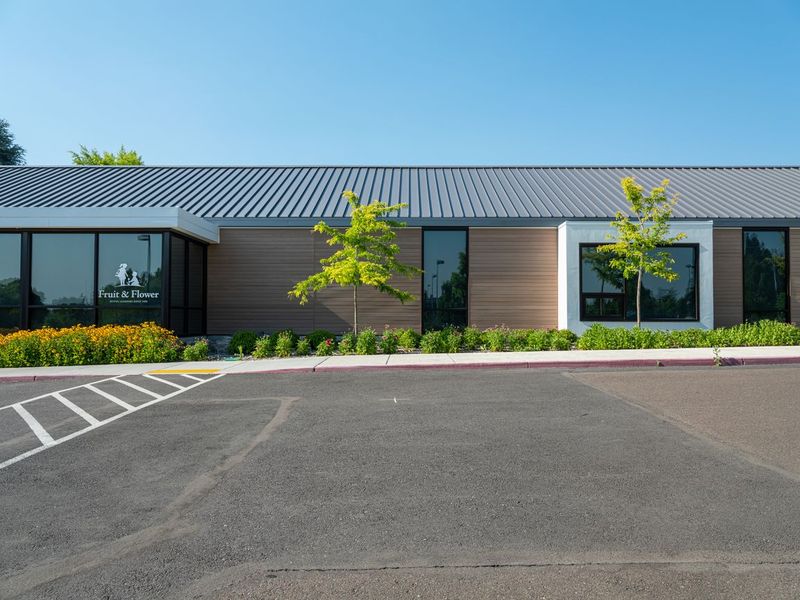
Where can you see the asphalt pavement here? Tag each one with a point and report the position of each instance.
(431, 484)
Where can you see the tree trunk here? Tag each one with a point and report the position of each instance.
(355, 309)
(639, 299)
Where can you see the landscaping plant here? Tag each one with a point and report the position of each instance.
(319, 335)
(196, 351)
(389, 342)
(265, 346)
(326, 347)
(284, 344)
(367, 342)
(347, 345)
(303, 347)
(408, 339)
(242, 341)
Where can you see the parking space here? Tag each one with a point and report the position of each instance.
(29, 426)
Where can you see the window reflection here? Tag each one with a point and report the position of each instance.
(62, 269)
(10, 251)
(129, 270)
(444, 293)
(765, 289)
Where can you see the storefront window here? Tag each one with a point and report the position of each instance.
(129, 270)
(606, 295)
(444, 292)
(187, 286)
(765, 282)
(62, 269)
(10, 292)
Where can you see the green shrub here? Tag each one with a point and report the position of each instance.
(471, 338)
(303, 347)
(367, 342)
(244, 339)
(318, 336)
(433, 342)
(390, 342)
(452, 340)
(196, 351)
(408, 339)
(284, 344)
(347, 345)
(495, 339)
(326, 347)
(562, 339)
(265, 346)
(537, 340)
(517, 340)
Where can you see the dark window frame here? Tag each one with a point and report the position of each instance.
(787, 275)
(623, 295)
(465, 310)
(20, 304)
(186, 307)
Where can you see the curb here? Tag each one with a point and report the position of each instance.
(555, 364)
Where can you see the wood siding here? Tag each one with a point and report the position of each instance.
(513, 277)
(794, 274)
(251, 270)
(728, 291)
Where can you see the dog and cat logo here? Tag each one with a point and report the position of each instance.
(127, 277)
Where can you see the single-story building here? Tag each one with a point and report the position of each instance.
(209, 250)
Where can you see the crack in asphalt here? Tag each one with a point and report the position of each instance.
(172, 527)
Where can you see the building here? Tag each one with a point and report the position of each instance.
(208, 250)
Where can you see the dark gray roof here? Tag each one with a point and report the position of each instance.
(295, 195)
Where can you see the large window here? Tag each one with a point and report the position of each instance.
(607, 296)
(187, 286)
(765, 278)
(10, 287)
(444, 283)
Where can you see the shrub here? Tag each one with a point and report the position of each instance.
(196, 351)
(316, 337)
(390, 341)
(433, 342)
(562, 339)
(265, 346)
(284, 344)
(517, 339)
(244, 339)
(81, 345)
(408, 339)
(347, 345)
(367, 342)
(303, 347)
(537, 340)
(326, 347)
(452, 340)
(495, 339)
(471, 338)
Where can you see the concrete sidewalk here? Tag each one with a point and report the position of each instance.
(467, 360)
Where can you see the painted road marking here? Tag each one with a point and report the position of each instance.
(47, 440)
(35, 426)
(182, 371)
(191, 377)
(162, 380)
(139, 388)
(75, 408)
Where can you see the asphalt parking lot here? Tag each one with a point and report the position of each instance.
(432, 484)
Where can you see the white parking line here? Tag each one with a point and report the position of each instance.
(172, 383)
(76, 409)
(191, 377)
(47, 440)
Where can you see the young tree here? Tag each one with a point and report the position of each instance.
(10, 153)
(367, 255)
(93, 157)
(637, 237)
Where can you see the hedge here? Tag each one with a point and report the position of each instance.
(81, 345)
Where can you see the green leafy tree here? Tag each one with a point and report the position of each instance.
(367, 254)
(10, 153)
(93, 157)
(639, 235)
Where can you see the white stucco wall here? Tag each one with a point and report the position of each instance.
(573, 233)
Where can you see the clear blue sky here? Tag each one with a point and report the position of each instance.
(293, 82)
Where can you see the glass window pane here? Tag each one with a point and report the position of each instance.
(128, 316)
(592, 308)
(445, 278)
(9, 320)
(662, 299)
(60, 317)
(62, 269)
(612, 307)
(195, 326)
(129, 269)
(764, 280)
(176, 321)
(177, 271)
(597, 276)
(195, 274)
(10, 252)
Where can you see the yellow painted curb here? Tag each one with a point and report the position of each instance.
(181, 371)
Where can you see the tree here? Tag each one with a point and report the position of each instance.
(10, 153)
(638, 236)
(367, 255)
(93, 157)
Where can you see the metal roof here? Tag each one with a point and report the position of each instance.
(442, 194)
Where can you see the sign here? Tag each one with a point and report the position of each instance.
(129, 290)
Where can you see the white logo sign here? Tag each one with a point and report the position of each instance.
(127, 279)
(128, 290)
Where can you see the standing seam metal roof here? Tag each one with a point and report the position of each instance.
(447, 192)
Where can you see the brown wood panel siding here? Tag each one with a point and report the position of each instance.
(251, 270)
(333, 307)
(728, 293)
(513, 277)
(249, 274)
(794, 274)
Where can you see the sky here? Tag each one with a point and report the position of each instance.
(561, 82)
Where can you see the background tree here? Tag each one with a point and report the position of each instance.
(10, 153)
(640, 234)
(92, 157)
(367, 254)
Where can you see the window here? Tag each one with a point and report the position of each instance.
(607, 296)
(187, 286)
(444, 283)
(765, 275)
(10, 288)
